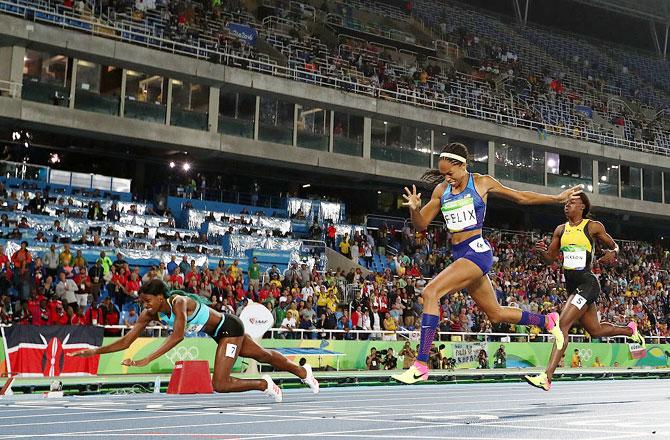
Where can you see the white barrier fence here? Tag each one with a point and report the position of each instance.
(409, 335)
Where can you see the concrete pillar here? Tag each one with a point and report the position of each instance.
(331, 130)
(168, 109)
(11, 69)
(213, 112)
(122, 107)
(367, 137)
(595, 178)
(73, 81)
(432, 151)
(257, 117)
(296, 112)
(492, 159)
(664, 197)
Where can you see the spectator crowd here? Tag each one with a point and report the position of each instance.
(60, 286)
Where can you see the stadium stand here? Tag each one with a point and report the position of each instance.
(72, 237)
(455, 60)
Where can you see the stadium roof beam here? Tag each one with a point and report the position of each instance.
(522, 18)
(660, 51)
(656, 10)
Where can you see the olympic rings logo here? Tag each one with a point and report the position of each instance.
(182, 354)
(585, 354)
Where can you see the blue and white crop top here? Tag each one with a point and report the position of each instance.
(194, 323)
(464, 211)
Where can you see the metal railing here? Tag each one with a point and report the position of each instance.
(415, 98)
(224, 196)
(10, 87)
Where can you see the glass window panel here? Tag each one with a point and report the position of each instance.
(478, 150)
(423, 139)
(520, 164)
(630, 182)
(146, 97)
(653, 184)
(190, 105)
(397, 143)
(98, 88)
(46, 78)
(441, 139)
(276, 120)
(237, 112)
(608, 179)
(566, 171)
(348, 134)
(313, 128)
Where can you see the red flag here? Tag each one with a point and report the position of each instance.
(36, 351)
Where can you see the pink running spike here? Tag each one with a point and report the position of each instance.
(550, 321)
(423, 369)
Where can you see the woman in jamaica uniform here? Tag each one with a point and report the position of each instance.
(576, 239)
(185, 312)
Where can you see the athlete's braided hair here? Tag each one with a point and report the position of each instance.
(587, 204)
(433, 177)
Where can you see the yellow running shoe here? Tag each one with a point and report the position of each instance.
(415, 373)
(539, 381)
(555, 329)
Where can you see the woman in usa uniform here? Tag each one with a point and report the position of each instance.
(461, 197)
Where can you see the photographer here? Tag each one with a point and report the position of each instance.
(373, 361)
(435, 357)
(390, 361)
(409, 355)
(500, 358)
(483, 359)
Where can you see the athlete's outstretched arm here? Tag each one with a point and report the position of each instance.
(598, 232)
(179, 304)
(421, 217)
(492, 186)
(549, 254)
(123, 342)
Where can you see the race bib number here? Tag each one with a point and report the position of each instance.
(479, 245)
(459, 214)
(193, 328)
(574, 258)
(231, 349)
(578, 301)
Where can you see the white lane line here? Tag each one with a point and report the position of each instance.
(167, 416)
(181, 426)
(493, 425)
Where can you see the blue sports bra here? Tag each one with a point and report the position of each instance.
(194, 323)
(464, 211)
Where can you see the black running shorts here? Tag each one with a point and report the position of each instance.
(584, 286)
(230, 327)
